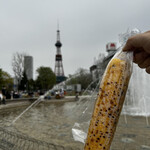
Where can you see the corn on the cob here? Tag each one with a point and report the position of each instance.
(108, 105)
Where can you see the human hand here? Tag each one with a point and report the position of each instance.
(140, 45)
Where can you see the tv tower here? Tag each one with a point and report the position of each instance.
(59, 71)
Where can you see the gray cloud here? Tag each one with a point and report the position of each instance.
(86, 26)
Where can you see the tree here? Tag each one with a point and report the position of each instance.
(1, 78)
(23, 82)
(31, 85)
(46, 78)
(82, 76)
(5, 80)
(18, 65)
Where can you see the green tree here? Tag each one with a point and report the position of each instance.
(82, 76)
(1, 79)
(5, 80)
(46, 78)
(24, 82)
(31, 85)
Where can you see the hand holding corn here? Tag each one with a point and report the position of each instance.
(140, 45)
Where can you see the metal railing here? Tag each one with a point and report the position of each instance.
(15, 141)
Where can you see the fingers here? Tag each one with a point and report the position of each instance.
(145, 63)
(134, 43)
(140, 56)
(143, 60)
(148, 70)
(140, 45)
(129, 46)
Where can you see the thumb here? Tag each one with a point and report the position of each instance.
(133, 43)
(128, 47)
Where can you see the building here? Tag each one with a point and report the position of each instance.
(59, 70)
(28, 66)
(98, 68)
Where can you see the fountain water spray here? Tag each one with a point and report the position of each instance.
(33, 104)
(40, 99)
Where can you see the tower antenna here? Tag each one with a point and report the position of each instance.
(59, 70)
(57, 24)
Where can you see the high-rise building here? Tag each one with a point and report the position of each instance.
(59, 70)
(28, 66)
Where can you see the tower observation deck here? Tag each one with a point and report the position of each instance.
(59, 70)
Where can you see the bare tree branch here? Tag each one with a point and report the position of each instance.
(18, 65)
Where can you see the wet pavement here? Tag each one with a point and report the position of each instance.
(52, 122)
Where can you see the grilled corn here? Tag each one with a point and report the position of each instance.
(108, 105)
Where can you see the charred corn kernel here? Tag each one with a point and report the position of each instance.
(108, 105)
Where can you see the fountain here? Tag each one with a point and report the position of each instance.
(53, 122)
(138, 97)
(49, 125)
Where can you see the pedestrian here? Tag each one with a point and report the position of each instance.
(4, 100)
(140, 45)
(4, 91)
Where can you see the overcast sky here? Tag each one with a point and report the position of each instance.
(86, 26)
